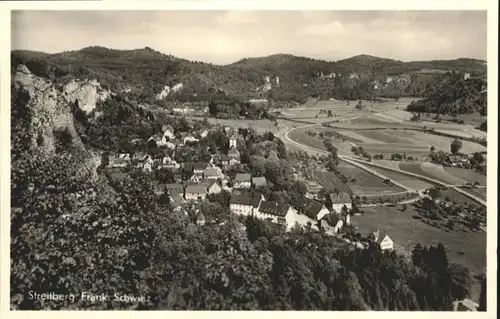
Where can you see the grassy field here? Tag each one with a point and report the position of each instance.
(467, 175)
(468, 249)
(431, 170)
(406, 180)
(366, 183)
(479, 192)
(330, 181)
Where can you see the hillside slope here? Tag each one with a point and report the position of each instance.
(280, 77)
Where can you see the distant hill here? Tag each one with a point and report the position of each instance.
(280, 77)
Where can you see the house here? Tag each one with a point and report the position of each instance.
(190, 139)
(382, 239)
(313, 209)
(176, 197)
(212, 173)
(214, 188)
(168, 132)
(234, 153)
(457, 160)
(198, 168)
(160, 189)
(233, 140)
(204, 134)
(259, 182)
(119, 163)
(465, 305)
(224, 159)
(170, 145)
(215, 160)
(339, 200)
(245, 203)
(275, 212)
(242, 180)
(466, 76)
(196, 192)
(125, 156)
(168, 162)
(331, 223)
(159, 139)
(177, 188)
(147, 167)
(200, 218)
(196, 178)
(234, 161)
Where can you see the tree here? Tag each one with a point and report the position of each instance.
(455, 146)
(165, 175)
(433, 148)
(212, 108)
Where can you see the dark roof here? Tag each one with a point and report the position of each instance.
(242, 177)
(311, 208)
(246, 198)
(274, 208)
(200, 166)
(175, 187)
(210, 172)
(233, 151)
(341, 198)
(259, 181)
(196, 189)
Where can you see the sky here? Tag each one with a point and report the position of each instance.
(223, 37)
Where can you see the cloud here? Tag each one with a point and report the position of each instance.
(227, 36)
(328, 29)
(238, 17)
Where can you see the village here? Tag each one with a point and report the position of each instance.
(191, 187)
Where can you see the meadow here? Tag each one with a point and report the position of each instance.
(467, 249)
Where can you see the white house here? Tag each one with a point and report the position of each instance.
(314, 209)
(242, 180)
(168, 162)
(124, 156)
(382, 239)
(170, 145)
(339, 200)
(234, 161)
(196, 178)
(169, 133)
(117, 163)
(147, 167)
(245, 203)
(284, 215)
(233, 140)
(214, 188)
(159, 139)
(190, 139)
(204, 134)
(196, 192)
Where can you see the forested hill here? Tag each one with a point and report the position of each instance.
(280, 77)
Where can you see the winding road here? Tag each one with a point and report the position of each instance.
(285, 136)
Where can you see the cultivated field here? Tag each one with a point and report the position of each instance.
(411, 182)
(479, 192)
(366, 183)
(467, 175)
(330, 181)
(468, 249)
(431, 170)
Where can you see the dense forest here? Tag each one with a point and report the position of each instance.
(71, 233)
(146, 72)
(454, 95)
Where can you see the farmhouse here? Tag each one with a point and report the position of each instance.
(331, 223)
(314, 210)
(242, 180)
(259, 182)
(245, 203)
(339, 200)
(382, 239)
(196, 192)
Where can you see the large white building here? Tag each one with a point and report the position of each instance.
(245, 203)
(382, 239)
